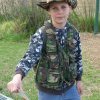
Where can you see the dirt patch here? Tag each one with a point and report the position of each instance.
(91, 48)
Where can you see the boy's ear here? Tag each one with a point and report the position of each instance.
(71, 9)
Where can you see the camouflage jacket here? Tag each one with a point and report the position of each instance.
(34, 52)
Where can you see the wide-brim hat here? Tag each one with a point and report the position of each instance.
(45, 4)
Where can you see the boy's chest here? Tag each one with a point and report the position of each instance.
(61, 37)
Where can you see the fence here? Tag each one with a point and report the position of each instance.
(86, 7)
(7, 5)
(11, 8)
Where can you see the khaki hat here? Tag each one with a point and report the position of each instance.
(46, 3)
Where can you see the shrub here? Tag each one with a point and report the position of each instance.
(6, 28)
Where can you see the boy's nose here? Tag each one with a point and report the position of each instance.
(60, 10)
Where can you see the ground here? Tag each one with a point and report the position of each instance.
(12, 52)
(91, 65)
(91, 48)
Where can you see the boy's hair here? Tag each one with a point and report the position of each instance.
(45, 4)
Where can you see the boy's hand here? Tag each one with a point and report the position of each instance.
(79, 87)
(15, 85)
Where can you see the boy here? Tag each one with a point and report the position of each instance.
(55, 54)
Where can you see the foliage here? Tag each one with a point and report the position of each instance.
(6, 28)
(7, 32)
(83, 24)
(25, 14)
(24, 18)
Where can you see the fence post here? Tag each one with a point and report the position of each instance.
(96, 22)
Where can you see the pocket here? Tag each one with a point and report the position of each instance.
(73, 70)
(70, 73)
(53, 77)
(41, 75)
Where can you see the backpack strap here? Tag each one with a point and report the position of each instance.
(46, 29)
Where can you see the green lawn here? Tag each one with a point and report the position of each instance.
(12, 52)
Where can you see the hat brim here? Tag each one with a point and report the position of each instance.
(44, 5)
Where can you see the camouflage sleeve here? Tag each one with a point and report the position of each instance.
(78, 57)
(32, 55)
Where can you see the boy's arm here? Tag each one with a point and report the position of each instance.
(29, 60)
(78, 54)
(32, 55)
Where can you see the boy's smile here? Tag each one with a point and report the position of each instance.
(59, 12)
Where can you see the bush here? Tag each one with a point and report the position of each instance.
(7, 32)
(84, 24)
(23, 20)
(6, 28)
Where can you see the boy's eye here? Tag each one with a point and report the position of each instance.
(55, 8)
(63, 7)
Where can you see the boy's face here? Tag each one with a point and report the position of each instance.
(59, 12)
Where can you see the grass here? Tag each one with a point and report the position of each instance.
(91, 63)
(12, 52)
